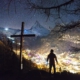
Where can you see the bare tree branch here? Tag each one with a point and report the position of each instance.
(53, 7)
(9, 5)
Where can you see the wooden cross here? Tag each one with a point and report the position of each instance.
(21, 42)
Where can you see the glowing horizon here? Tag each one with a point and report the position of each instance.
(65, 61)
(69, 61)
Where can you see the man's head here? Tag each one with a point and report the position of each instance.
(52, 51)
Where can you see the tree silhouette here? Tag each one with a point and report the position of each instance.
(48, 7)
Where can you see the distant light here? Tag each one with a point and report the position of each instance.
(11, 38)
(25, 32)
(18, 43)
(6, 29)
(13, 41)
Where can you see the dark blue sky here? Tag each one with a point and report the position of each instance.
(13, 20)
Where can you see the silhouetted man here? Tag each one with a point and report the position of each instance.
(52, 58)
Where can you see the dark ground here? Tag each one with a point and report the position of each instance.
(38, 75)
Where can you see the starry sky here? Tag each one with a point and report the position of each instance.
(12, 18)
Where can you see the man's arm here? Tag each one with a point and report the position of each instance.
(56, 59)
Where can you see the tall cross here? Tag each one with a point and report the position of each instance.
(21, 42)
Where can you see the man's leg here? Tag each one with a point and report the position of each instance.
(50, 67)
(54, 69)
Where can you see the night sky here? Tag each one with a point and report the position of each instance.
(12, 19)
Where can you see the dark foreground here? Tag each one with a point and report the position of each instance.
(38, 75)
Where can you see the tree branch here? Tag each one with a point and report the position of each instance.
(54, 7)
